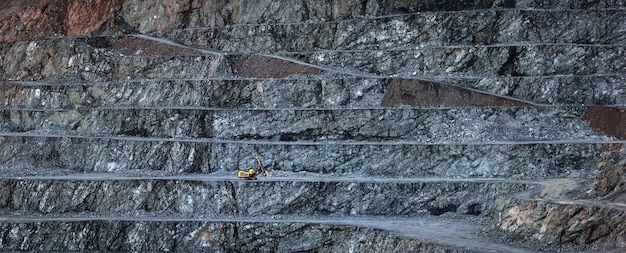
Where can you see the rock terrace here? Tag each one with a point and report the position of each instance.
(390, 126)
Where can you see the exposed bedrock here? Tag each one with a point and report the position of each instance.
(386, 125)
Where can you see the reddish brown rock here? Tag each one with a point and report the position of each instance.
(10, 7)
(259, 66)
(608, 120)
(27, 20)
(422, 93)
(32, 20)
(87, 15)
(138, 46)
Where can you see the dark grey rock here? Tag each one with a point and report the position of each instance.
(256, 198)
(200, 236)
(132, 142)
(517, 161)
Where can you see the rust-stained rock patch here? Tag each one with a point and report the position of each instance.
(10, 7)
(608, 120)
(422, 93)
(23, 20)
(32, 20)
(88, 15)
(259, 66)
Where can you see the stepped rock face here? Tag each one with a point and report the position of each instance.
(394, 126)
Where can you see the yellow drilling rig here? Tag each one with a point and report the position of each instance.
(251, 173)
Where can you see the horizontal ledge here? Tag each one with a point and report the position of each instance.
(282, 177)
(44, 83)
(584, 202)
(286, 55)
(457, 46)
(367, 108)
(169, 217)
(164, 218)
(451, 232)
(302, 143)
(454, 233)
